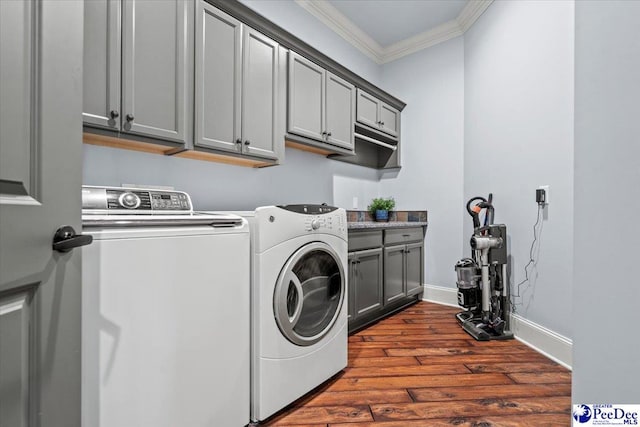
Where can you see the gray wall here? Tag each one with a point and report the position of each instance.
(518, 134)
(431, 82)
(607, 202)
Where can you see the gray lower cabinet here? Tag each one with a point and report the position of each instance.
(394, 280)
(321, 106)
(403, 271)
(386, 271)
(237, 85)
(138, 67)
(414, 268)
(403, 262)
(366, 290)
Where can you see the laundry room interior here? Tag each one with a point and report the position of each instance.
(222, 163)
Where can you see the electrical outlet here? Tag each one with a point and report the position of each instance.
(544, 188)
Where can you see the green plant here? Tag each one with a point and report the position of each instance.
(381, 204)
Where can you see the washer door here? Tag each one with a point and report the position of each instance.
(309, 294)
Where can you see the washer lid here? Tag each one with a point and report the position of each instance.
(309, 294)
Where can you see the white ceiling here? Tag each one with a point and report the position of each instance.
(390, 21)
(386, 30)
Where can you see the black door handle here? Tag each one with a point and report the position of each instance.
(66, 239)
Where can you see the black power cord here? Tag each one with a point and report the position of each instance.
(532, 260)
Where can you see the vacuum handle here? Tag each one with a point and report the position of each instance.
(475, 210)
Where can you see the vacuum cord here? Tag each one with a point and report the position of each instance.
(532, 261)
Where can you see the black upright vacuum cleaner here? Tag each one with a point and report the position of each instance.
(482, 279)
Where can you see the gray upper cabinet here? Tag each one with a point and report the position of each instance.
(237, 84)
(138, 62)
(102, 62)
(389, 122)
(157, 68)
(321, 105)
(259, 95)
(306, 98)
(367, 109)
(218, 79)
(376, 114)
(340, 111)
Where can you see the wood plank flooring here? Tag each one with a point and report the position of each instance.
(418, 368)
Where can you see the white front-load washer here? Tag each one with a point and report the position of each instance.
(299, 302)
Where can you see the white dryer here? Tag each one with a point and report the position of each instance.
(299, 302)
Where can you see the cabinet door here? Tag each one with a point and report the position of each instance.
(367, 109)
(306, 98)
(101, 61)
(218, 79)
(389, 119)
(394, 282)
(340, 111)
(368, 286)
(157, 92)
(351, 282)
(259, 94)
(414, 268)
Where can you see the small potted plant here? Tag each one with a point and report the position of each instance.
(380, 207)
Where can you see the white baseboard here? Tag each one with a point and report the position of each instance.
(545, 341)
(441, 295)
(553, 345)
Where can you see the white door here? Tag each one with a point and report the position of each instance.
(40, 181)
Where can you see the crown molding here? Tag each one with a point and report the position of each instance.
(471, 12)
(343, 26)
(439, 34)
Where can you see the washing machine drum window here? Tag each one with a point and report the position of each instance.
(309, 294)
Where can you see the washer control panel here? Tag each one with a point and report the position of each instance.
(324, 222)
(114, 200)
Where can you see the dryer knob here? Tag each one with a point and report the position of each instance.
(315, 224)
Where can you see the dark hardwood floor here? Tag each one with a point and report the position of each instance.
(418, 368)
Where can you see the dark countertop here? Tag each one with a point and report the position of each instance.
(367, 225)
(362, 220)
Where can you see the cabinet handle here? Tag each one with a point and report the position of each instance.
(247, 142)
(357, 262)
(329, 134)
(238, 141)
(381, 123)
(129, 117)
(114, 114)
(408, 252)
